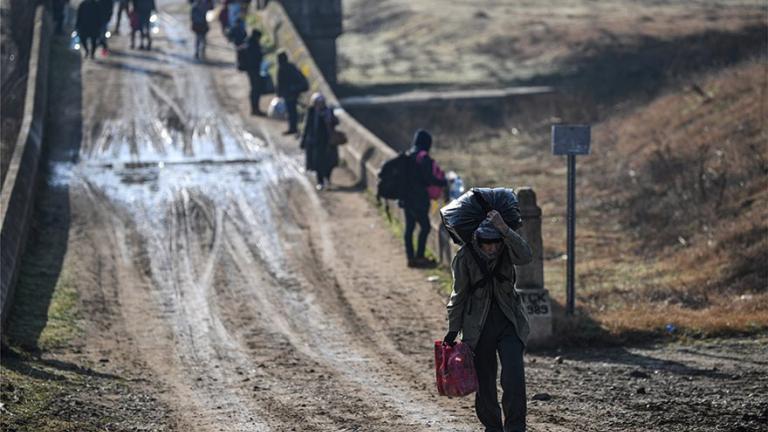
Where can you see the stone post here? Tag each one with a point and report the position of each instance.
(319, 23)
(530, 277)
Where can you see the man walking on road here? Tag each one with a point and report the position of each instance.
(58, 7)
(107, 8)
(253, 58)
(200, 26)
(143, 10)
(88, 25)
(416, 202)
(485, 307)
(122, 7)
(291, 83)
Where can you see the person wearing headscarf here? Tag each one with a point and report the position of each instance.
(321, 155)
(489, 313)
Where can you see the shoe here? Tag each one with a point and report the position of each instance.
(320, 187)
(421, 262)
(258, 113)
(290, 132)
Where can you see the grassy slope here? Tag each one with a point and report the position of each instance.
(671, 205)
(493, 42)
(687, 177)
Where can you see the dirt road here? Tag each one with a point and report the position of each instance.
(209, 269)
(215, 263)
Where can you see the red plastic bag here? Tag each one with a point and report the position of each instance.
(455, 369)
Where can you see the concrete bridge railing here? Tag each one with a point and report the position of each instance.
(17, 197)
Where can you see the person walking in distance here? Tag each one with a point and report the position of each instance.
(58, 7)
(200, 26)
(487, 310)
(237, 33)
(143, 10)
(88, 25)
(253, 58)
(416, 202)
(291, 83)
(321, 155)
(122, 7)
(107, 8)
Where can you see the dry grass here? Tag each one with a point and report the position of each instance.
(672, 203)
(491, 41)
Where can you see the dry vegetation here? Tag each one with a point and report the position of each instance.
(673, 202)
(422, 42)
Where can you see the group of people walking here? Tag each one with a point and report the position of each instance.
(93, 17)
(483, 306)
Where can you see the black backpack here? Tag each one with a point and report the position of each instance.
(242, 59)
(301, 84)
(394, 177)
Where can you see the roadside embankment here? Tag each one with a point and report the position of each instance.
(16, 201)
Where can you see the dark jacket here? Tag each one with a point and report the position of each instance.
(88, 19)
(290, 81)
(237, 34)
(144, 8)
(107, 7)
(320, 154)
(421, 176)
(472, 291)
(254, 56)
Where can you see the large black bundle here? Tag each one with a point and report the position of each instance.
(463, 215)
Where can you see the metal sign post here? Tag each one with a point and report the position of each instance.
(571, 140)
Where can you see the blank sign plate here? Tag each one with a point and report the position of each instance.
(570, 139)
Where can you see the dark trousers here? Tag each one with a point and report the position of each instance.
(89, 44)
(324, 176)
(200, 45)
(255, 79)
(293, 114)
(499, 336)
(103, 37)
(121, 8)
(413, 216)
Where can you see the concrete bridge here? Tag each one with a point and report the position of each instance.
(319, 24)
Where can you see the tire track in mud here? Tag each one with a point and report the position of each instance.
(225, 273)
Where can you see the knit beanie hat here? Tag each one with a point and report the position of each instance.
(486, 231)
(422, 140)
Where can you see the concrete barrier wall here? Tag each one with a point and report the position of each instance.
(17, 198)
(365, 153)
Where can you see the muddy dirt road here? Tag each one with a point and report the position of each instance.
(214, 261)
(209, 268)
